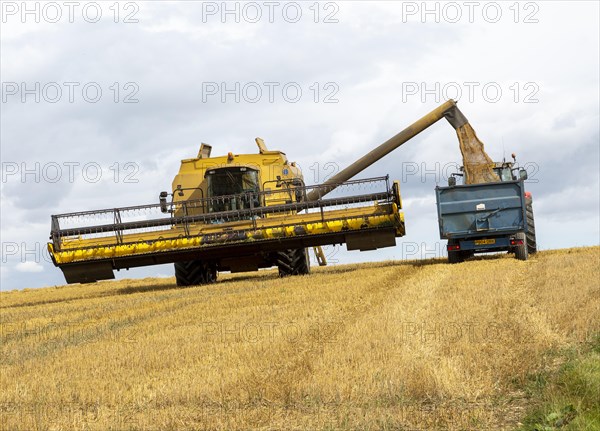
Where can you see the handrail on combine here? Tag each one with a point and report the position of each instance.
(118, 227)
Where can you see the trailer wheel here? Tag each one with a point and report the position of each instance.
(531, 240)
(194, 272)
(455, 256)
(293, 262)
(521, 250)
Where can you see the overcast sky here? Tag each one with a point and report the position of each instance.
(101, 102)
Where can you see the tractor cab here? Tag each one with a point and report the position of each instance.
(506, 171)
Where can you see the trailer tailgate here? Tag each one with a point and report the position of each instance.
(481, 209)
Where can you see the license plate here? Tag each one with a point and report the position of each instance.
(485, 241)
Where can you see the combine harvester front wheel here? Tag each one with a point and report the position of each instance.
(293, 262)
(194, 272)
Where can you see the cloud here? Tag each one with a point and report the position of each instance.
(29, 267)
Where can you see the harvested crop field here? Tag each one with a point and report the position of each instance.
(392, 345)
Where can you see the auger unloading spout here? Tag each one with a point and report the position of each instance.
(448, 110)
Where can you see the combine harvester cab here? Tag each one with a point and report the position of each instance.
(487, 217)
(230, 213)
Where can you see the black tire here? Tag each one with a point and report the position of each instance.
(293, 262)
(521, 250)
(531, 240)
(195, 272)
(455, 256)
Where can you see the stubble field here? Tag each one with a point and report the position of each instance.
(393, 345)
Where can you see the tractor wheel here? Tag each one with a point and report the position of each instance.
(455, 256)
(531, 241)
(194, 272)
(521, 250)
(293, 262)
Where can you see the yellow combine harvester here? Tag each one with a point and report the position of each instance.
(239, 212)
